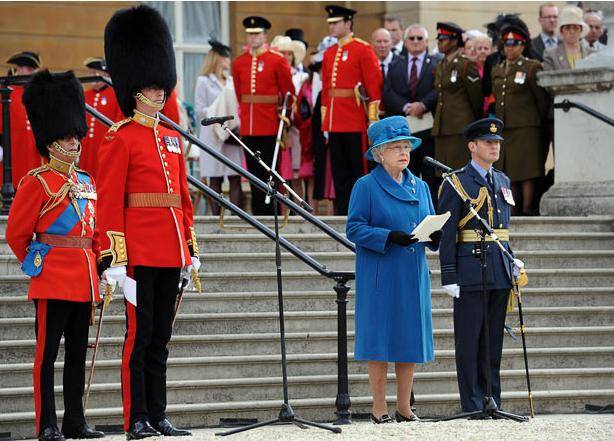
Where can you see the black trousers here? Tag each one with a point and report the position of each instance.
(266, 146)
(471, 369)
(148, 331)
(54, 319)
(347, 165)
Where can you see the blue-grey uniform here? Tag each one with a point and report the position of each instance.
(492, 199)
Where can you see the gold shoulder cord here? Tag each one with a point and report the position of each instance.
(477, 203)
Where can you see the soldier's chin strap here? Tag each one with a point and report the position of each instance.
(73, 155)
(143, 99)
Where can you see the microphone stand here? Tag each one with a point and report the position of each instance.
(286, 413)
(483, 230)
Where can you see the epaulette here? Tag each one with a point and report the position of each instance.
(360, 40)
(34, 172)
(115, 127)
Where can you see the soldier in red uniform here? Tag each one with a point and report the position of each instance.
(56, 203)
(24, 155)
(145, 214)
(348, 65)
(102, 98)
(261, 78)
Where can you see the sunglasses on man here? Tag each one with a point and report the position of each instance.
(415, 38)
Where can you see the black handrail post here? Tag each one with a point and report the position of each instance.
(8, 191)
(343, 402)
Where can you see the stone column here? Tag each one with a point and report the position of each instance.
(584, 145)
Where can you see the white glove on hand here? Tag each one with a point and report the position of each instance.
(518, 265)
(452, 290)
(115, 276)
(186, 272)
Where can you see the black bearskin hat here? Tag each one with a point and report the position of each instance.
(55, 107)
(139, 53)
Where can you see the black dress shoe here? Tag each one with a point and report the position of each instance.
(51, 433)
(402, 418)
(140, 430)
(384, 419)
(83, 432)
(167, 429)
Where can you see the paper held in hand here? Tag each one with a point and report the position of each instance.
(429, 225)
(420, 124)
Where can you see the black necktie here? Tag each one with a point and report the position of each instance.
(489, 180)
(383, 70)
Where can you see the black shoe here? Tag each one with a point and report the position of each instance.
(402, 418)
(83, 432)
(50, 433)
(384, 419)
(140, 430)
(167, 429)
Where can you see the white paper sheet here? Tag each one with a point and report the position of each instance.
(430, 224)
(420, 124)
(130, 290)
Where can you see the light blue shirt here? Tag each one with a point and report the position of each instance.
(480, 170)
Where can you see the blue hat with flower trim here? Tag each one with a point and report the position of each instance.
(391, 129)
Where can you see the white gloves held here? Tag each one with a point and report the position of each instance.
(115, 276)
(452, 290)
(518, 265)
(186, 272)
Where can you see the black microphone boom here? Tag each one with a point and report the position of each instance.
(216, 120)
(434, 163)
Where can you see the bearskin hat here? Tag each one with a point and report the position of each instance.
(55, 107)
(139, 53)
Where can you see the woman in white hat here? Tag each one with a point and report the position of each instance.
(572, 29)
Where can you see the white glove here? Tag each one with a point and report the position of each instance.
(115, 276)
(452, 290)
(186, 272)
(518, 265)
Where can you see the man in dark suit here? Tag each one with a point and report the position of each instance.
(409, 90)
(547, 39)
(393, 25)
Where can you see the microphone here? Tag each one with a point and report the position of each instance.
(433, 163)
(216, 120)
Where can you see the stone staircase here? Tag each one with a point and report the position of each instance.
(224, 356)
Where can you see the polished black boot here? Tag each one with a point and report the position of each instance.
(167, 429)
(140, 430)
(51, 433)
(83, 432)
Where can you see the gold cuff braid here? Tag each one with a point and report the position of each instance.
(193, 242)
(117, 249)
(374, 111)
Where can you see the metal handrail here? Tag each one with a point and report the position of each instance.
(566, 105)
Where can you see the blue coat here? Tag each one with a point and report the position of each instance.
(393, 299)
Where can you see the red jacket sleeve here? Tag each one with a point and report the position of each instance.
(371, 74)
(23, 216)
(186, 205)
(284, 78)
(236, 72)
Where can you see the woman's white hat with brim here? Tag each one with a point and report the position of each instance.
(572, 15)
(283, 43)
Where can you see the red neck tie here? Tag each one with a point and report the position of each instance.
(413, 77)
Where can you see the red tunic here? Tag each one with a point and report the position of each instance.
(346, 64)
(264, 76)
(24, 155)
(171, 108)
(105, 101)
(144, 159)
(67, 273)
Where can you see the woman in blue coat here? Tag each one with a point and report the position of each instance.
(393, 303)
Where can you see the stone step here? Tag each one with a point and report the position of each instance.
(345, 261)
(22, 351)
(314, 321)
(16, 285)
(249, 366)
(21, 424)
(227, 302)
(104, 395)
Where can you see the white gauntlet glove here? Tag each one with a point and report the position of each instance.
(518, 265)
(186, 272)
(114, 276)
(452, 290)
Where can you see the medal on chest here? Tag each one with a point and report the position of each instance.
(103, 101)
(83, 190)
(508, 196)
(345, 55)
(453, 76)
(260, 67)
(520, 77)
(172, 144)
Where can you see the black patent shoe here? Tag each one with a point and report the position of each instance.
(402, 418)
(384, 419)
(140, 430)
(83, 432)
(50, 433)
(167, 429)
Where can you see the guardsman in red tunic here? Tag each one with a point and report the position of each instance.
(145, 212)
(102, 98)
(50, 229)
(261, 78)
(350, 70)
(24, 155)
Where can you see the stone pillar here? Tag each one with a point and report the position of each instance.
(584, 145)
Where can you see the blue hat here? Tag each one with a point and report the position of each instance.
(393, 128)
(486, 128)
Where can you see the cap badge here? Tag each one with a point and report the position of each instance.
(510, 36)
(493, 128)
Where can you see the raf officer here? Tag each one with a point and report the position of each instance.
(459, 96)
(461, 276)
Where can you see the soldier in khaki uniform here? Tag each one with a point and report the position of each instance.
(521, 105)
(459, 96)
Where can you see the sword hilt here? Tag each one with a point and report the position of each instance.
(196, 281)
